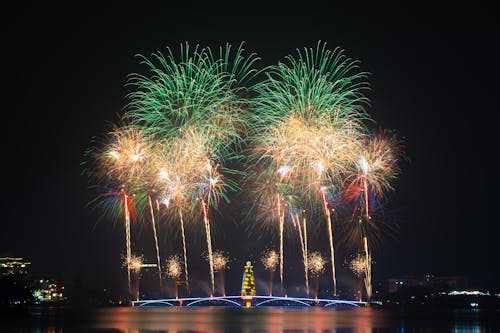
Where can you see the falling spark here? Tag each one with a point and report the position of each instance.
(209, 244)
(368, 270)
(303, 245)
(330, 239)
(153, 223)
(127, 236)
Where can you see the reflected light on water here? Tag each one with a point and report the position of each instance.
(211, 319)
(260, 319)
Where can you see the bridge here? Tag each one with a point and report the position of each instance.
(256, 301)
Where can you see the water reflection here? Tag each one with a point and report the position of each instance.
(220, 319)
(242, 320)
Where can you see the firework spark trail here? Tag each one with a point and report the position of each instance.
(281, 228)
(127, 235)
(209, 244)
(296, 222)
(306, 255)
(330, 239)
(181, 218)
(367, 202)
(153, 223)
(368, 270)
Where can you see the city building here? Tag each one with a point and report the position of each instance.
(428, 281)
(395, 284)
(13, 266)
(444, 282)
(45, 290)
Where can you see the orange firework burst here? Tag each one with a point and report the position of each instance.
(220, 261)
(375, 169)
(125, 156)
(270, 260)
(173, 267)
(316, 263)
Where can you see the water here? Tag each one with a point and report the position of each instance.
(219, 319)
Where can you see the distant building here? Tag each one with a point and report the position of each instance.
(444, 282)
(13, 266)
(46, 290)
(432, 282)
(396, 284)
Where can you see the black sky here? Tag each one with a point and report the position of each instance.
(434, 80)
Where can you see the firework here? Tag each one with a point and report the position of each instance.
(182, 171)
(127, 236)
(173, 267)
(195, 102)
(220, 264)
(211, 187)
(174, 271)
(134, 263)
(302, 230)
(311, 113)
(153, 223)
(272, 198)
(206, 222)
(371, 177)
(316, 264)
(119, 167)
(373, 172)
(270, 261)
(358, 265)
(368, 270)
(125, 156)
(124, 161)
(198, 88)
(188, 119)
(220, 261)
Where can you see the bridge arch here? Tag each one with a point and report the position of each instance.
(148, 303)
(336, 303)
(286, 299)
(213, 300)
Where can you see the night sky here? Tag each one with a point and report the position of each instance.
(434, 78)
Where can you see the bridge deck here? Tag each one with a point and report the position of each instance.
(255, 301)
